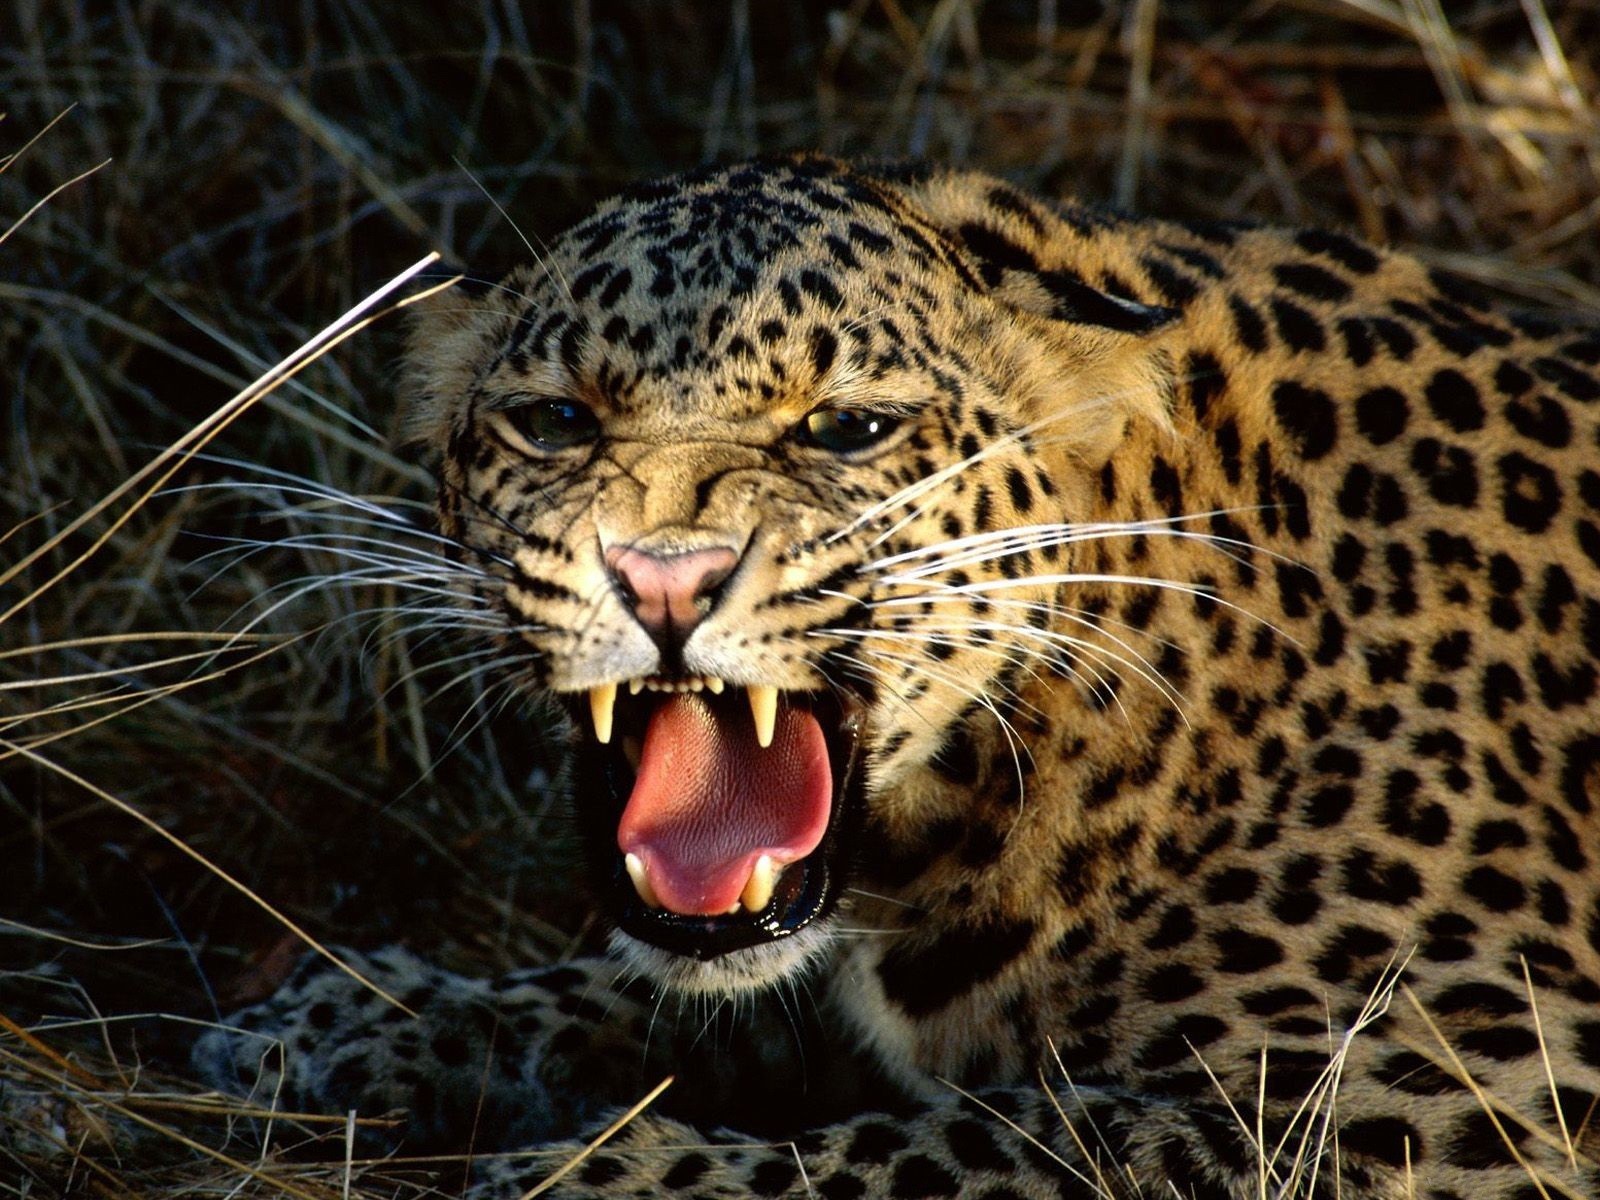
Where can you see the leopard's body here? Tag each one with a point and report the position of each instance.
(1285, 688)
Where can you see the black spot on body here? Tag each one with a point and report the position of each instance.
(601, 1169)
(1391, 1140)
(1311, 281)
(1341, 248)
(1451, 471)
(1243, 953)
(1393, 882)
(1297, 327)
(875, 1142)
(774, 1177)
(1381, 415)
(824, 348)
(973, 1145)
(917, 1176)
(923, 979)
(686, 1171)
(1171, 983)
(1358, 344)
(816, 284)
(1250, 329)
(1396, 338)
(1179, 1040)
(1308, 416)
(1541, 419)
(1176, 288)
(1529, 493)
(1021, 494)
(1568, 379)
(1494, 889)
(1455, 401)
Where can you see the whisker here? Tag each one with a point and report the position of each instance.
(985, 586)
(912, 492)
(988, 546)
(1013, 738)
(545, 260)
(1138, 664)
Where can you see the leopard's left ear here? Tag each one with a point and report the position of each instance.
(1014, 246)
(1063, 296)
(1078, 349)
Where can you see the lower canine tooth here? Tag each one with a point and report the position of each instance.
(758, 888)
(764, 708)
(641, 880)
(602, 707)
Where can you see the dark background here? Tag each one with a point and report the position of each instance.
(266, 165)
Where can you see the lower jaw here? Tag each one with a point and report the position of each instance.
(705, 938)
(752, 969)
(803, 900)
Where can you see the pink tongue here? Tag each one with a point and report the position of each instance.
(709, 801)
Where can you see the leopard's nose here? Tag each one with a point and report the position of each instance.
(670, 593)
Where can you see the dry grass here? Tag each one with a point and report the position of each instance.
(265, 173)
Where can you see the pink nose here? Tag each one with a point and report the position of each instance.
(670, 593)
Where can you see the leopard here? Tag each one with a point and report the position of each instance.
(1059, 703)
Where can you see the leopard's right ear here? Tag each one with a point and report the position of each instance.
(452, 337)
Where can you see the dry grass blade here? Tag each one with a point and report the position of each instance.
(66, 1065)
(1492, 1108)
(175, 455)
(1098, 1183)
(600, 1139)
(129, 702)
(7, 160)
(141, 638)
(1549, 1071)
(49, 196)
(238, 885)
(68, 1083)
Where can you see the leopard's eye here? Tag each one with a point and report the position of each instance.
(555, 424)
(844, 430)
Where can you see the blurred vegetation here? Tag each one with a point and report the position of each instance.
(253, 169)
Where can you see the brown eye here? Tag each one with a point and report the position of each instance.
(844, 430)
(555, 424)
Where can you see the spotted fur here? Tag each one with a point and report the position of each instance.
(1284, 689)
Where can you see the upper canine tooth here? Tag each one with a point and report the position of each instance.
(602, 707)
(758, 888)
(764, 708)
(641, 880)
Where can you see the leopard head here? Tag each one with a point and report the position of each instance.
(724, 462)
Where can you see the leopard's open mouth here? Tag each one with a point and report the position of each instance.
(715, 816)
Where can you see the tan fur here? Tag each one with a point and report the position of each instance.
(1349, 735)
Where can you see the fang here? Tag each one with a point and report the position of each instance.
(641, 880)
(757, 892)
(764, 710)
(602, 708)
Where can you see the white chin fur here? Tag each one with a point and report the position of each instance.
(741, 971)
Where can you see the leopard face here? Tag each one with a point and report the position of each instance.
(720, 459)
